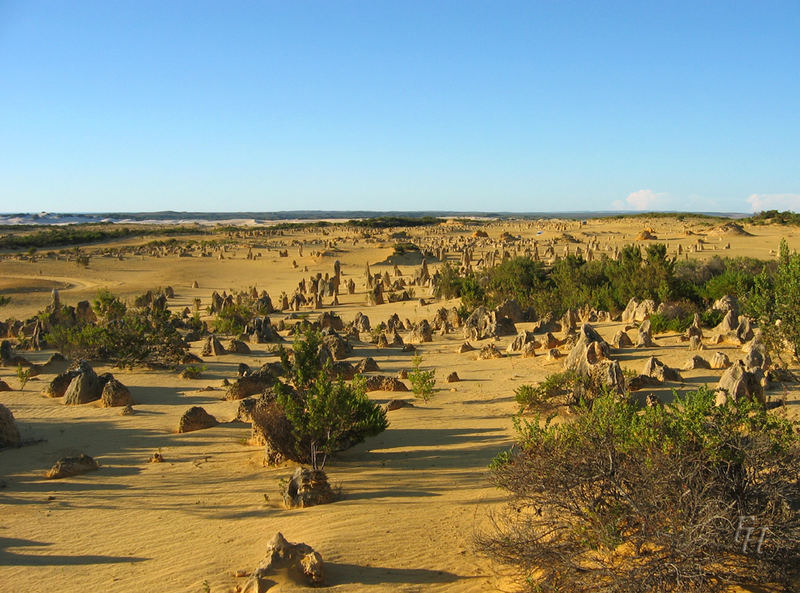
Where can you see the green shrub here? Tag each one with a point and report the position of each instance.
(422, 382)
(233, 319)
(406, 247)
(107, 306)
(450, 285)
(326, 416)
(622, 499)
(660, 323)
(569, 384)
(137, 337)
(773, 302)
(23, 375)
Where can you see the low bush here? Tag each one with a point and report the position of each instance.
(422, 382)
(686, 497)
(326, 416)
(569, 386)
(121, 336)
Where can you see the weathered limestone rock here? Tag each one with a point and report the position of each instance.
(299, 559)
(550, 341)
(522, 339)
(529, 350)
(630, 310)
(331, 320)
(658, 370)
(237, 347)
(510, 308)
(465, 347)
(422, 332)
(483, 324)
(213, 347)
(728, 324)
(71, 466)
(384, 383)
(85, 387)
(115, 394)
(720, 361)
(621, 340)
(726, 304)
(645, 338)
(368, 365)
(338, 347)
(644, 310)
(696, 362)
(589, 358)
(489, 351)
(248, 385)
(453, 377)
(553, 354)
(584, 353)
(196, 418)
(396, 404)
(738, 382)
(306, 488)
(9, 433)
(694, 330)
(641, 382)
(361, 322)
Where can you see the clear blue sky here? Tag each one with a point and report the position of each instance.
(517, 106)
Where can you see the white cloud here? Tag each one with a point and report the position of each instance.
(761, 202)
(643, 199)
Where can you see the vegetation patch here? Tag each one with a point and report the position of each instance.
(662, 499)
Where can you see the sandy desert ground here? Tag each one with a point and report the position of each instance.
(413, 497)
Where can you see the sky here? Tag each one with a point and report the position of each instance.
(122, 106)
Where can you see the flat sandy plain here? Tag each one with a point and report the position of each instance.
(413, 497)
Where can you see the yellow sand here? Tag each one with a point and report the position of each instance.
(413, 497)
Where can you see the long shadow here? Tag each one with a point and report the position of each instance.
(420, 437)
(373, 494)
(8, 558)
(352, 574)
(173, 396)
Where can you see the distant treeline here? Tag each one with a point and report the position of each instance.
(605, 284)
(80, 234)
(775, 217)
(385, 222)
(676, 215)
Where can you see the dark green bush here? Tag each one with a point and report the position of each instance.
(774, 303)
(233, 319)
(121, 336)
(326, 416)
(622, 499)
(569, 385)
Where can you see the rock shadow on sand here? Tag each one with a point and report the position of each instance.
(10, 558)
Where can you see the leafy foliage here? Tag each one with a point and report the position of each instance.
(326, 416)
(625, 500)
(773, 302)
(569, 384)
(125, 337)
(605, 284)
(23, 375)
(422, 382)
(661, 323)
(233, 319)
